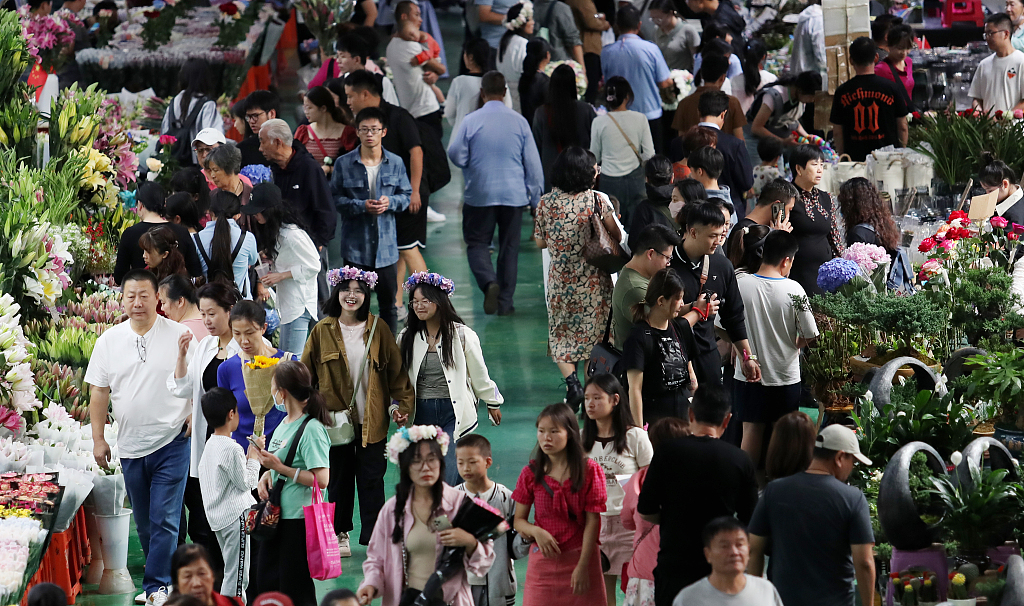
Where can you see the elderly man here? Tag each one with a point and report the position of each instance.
(727, 549)
(495, 149)
(303, 183)
(128, 369)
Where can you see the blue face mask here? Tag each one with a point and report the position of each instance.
(278, 405)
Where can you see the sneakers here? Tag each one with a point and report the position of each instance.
(157, 598)
(435, 217)
(491, 298)
(573, 392)
(141, 598)
(344, 549)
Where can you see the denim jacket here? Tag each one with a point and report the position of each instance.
(369, 240)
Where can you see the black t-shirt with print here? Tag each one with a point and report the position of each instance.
(663, 356)
(867, 108)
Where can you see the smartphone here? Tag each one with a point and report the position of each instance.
(778, 212)
(252, 441)
(441, 523)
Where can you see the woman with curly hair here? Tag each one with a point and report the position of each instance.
(868, 218)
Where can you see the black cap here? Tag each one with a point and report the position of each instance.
(264, 196)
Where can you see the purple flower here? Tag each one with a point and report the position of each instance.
(257, 173)
(435, 279)
(836, 273)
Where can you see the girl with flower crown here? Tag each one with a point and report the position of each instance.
(512, 49)
(414, 526)
(357, 366)
(568, 491)
(445, 363)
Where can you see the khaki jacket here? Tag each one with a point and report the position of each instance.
(590, 27)
(327, 360)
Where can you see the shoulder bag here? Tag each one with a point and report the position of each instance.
(601, 250)
(262, 518)
(605, 357)
(342, 431)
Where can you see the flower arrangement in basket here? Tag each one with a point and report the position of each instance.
(577, 69)
(257, 374)
(682, 86)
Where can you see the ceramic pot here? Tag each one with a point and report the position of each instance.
(999, 458)
(897, 512)
(1013, 593)
(956, 365)
(1010, 437)
(881, 382)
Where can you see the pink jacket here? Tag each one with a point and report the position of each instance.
(646, 536)
(384, 566)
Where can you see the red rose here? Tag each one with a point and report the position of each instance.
(957, 214)
(229, 8)
(999, 115)
(151, 14)
(1012, 235)
(926, 245)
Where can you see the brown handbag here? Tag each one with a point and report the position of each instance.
(601, 250)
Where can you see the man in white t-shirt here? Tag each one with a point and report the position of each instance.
(727, 549)
(128, 371)
(777, 329)
(998, 84)
(405, 56)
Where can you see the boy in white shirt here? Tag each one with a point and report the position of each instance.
(226, 478)
(777, 328)
(473, 456)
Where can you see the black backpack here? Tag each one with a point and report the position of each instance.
(181, 150)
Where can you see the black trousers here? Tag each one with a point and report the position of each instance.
(283, 566)
(434, 121)
(708, 367)
(354, 466)
(657, 136)
(478, 223)
(592, 63)
(386, 289)
(198, 527)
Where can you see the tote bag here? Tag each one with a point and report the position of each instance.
(321, 542)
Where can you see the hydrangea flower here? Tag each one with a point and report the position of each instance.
(257, 173)
(835, 273)
(868, 256)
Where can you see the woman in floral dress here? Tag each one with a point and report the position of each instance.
(578, 294)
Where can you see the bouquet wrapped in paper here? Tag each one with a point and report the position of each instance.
(257, 374)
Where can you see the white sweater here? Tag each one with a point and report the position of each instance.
(226, 479)
(296, 253)
(613, 153)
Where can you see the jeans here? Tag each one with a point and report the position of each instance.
(387, 289)
(629, 190)
(353, 465)
(478, 224)
(294, 333)
(440, 412)
(156, 488)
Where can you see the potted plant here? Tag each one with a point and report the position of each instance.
(958, 590)
(997, 377)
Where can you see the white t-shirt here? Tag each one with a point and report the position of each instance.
(758, 592)
(352, 337)
(999, 82)
(464, 98)
(738, 89)
(415, 95)
(135, 368)
(637, 455)
(773, 324)
(371, 178)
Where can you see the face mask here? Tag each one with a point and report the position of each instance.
(278, 405)
(675, 207)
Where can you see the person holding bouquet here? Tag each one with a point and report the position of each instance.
(415, 525)
(248, 322)
(283, 565)
(568, 491)
(358, 368)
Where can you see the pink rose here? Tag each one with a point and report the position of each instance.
(168, 139)
(999, 222)
(947, 245)
(1018, 114)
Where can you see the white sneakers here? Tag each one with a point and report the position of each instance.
(344, 549)
(435, 217)
(157, 598)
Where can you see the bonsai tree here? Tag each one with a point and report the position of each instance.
(904, 319)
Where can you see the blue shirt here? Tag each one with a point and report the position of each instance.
(369, 240)
(247, 256)
(642, 65)
(493, 33)
(501, 166)
(229, 376)
(735, 65)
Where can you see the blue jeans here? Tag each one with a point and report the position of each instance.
(440, 412)
(156, 487)
(294, 333)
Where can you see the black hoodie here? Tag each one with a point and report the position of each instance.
(652, 210)
(305, 188)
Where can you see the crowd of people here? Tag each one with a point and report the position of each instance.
(717, 223)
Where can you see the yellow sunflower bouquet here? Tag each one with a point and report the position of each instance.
(257, 374)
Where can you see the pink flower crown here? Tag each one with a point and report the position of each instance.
(434, 279)
(345, 274)
(407, 436)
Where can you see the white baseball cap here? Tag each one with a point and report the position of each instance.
(842, 439)
(210, 136)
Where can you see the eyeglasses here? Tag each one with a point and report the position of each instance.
(370, 131)
(353, 292)
(420, 302)
(669, 257)
(254, 117)
(990, 34)
(430, 461)
(140, 347)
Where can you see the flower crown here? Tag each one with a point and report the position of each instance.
(409, 435)
(422, 277)
(525, 14)
(336, 276)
